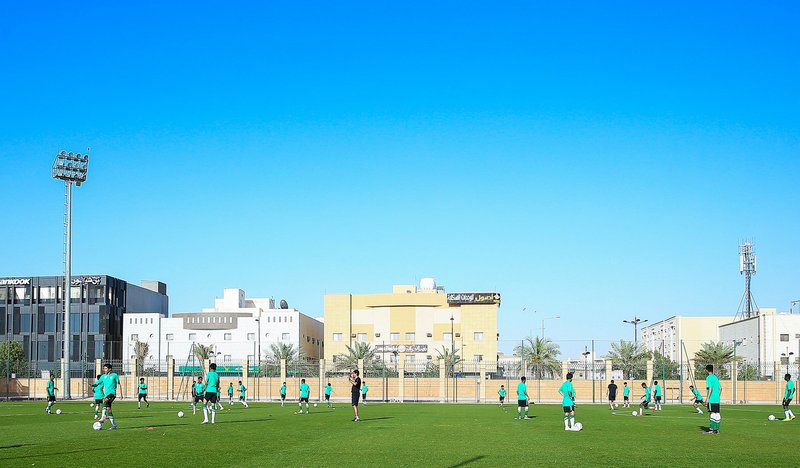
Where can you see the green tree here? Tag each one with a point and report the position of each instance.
(628, 357)
(203, 352)
(716, 354)
(449, 358)
(358, 351)
(664, 367)
(540, 356)
(12, 358)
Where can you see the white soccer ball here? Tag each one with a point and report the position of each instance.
(315, 405)
(97, 426)
(577, 426)
(180, 414)
(91, 405)
(771, 417)
(58, 411)
(634, 413)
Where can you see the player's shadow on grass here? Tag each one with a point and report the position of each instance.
(468, 461)
(239, 421)
(377, 419)
(704, 428)
(35, 455)
(156, 426)
(13, 446)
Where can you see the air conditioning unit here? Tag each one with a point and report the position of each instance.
(429, 335)
(458, 335)
(377, 335)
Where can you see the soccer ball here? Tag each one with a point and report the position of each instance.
(97, 426)
(771, 417)
(180, 414)
(634, 413)
(577, 426)
(58, 411)
(91, 405)
(315, 405)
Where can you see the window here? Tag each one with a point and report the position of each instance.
(47, 294)
(308, 339)
(477, 336)
(251, 358)
(228, 337)
(3, 295)
(135, 337)
(447, 336)
(251, 336)
(192, 336)
(361, 337)
(170, 336)
(410, 358)
(284, 337)
(226, 358)
(337, 337)
(169, 357)
(394, 336)
(784, 337)
(477, 357)
(411, 336)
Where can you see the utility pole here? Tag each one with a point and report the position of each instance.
(635, 322)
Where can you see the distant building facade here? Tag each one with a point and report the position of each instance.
(666, 336)
(768, 337)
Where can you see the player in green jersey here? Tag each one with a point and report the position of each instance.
(110, 384)
(305, 390)
(364, 389)
(97, 386)
(626, 395)
(243, 394)
(567, 392)
(713, 398)
(212, 394)
(645, 403)
(698, 399)
(522, 398)
(657, 395)
(230, 393)
(788, 394)
(51, 393)
(502, 394)
(283, 393)
(142, 394)
(198, 389)
(328, 390)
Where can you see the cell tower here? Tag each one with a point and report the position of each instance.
(747, 267)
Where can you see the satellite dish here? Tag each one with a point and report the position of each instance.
(284, 305)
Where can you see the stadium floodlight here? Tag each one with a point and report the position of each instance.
(635, 322)
(71, 168)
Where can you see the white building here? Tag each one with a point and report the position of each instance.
(237, 327)
(666, 336)
(768, 337)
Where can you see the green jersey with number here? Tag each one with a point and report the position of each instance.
(142, 389)
(789, 392)
(304, 390)
(212, 382)
(110, 382)
(522, 388)
(328, 389)
(97, 385)
(714, 388)
(51, 388)
(568, 391)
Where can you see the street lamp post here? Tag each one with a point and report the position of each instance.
(548, 318)
(635, 322)
(585, 355)
(71, 168)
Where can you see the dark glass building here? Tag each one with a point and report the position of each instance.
(31, 312)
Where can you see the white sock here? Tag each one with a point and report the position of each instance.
(572, 421)
(786, 414)
(213, 415)
(111, 418)
(103, 417)
(205, 413)
(566, 423)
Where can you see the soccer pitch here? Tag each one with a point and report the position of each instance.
(389, 435)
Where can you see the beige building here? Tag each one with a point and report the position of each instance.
(668, 334)
(412, 323)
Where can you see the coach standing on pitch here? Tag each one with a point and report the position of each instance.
(355, 392)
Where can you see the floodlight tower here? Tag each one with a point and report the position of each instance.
(747, 267)
(71, 168)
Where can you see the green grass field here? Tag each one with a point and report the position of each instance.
(389, 434)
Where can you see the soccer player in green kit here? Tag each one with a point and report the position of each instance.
(788, 394)
(522, 398)
(364, 389)
(97, 386)
(51, 393)
(328, 390)
(645, 399)
(212, 394)
(698, 399)
(626, 395)
(142, 394)
(567, 392)
(304, 392)
(502, 394)
(230, 393)
(198, 388)
(243, 394)
(110, 384)
(713, 399)
(283, 394)
(657, 394)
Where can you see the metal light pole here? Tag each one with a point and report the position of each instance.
(548, 318)
(71, 168)
(585, 354)
(635, 322)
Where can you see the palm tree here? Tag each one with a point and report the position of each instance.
(629, 357)
(141, 351)
(281, 351)
(539, 354)
(203, 352)
(716, 354)
(449, 357)
(358, 351)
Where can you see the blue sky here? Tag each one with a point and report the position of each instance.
(590, 161)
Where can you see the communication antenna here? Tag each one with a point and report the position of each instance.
(284, 304)
(747, 267)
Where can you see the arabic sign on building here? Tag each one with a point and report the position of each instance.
(391, 348)
(15, 281)
(86, 280)
(473, 298)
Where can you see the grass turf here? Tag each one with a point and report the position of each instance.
(389, 435)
